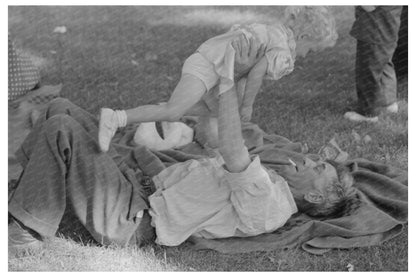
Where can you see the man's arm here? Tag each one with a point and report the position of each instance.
(231, 142)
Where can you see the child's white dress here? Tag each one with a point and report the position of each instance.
(213, 62)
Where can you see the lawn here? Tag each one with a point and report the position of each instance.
(127, 56)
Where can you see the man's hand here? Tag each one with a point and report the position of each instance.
(246, 56)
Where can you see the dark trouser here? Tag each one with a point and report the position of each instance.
(64, 168)
(375, 77)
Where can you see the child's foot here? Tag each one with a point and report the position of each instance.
(107, 128)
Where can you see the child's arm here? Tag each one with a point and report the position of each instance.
(254, 81)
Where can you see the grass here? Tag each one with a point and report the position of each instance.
(126, 56)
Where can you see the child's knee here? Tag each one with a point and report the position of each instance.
(206, 131)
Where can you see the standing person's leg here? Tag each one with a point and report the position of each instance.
(388, 99)
(66, 168)
(368, 72)
(375, 80)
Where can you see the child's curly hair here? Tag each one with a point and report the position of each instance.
(317, 22)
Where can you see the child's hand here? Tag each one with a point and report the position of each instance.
(246, 55)
(245, 113)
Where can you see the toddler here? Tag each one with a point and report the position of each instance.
(209, 72)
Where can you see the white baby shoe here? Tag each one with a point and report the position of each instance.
(176, 134)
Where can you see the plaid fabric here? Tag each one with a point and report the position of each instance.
(23, 75)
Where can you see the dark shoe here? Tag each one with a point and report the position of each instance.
(145, 234)
(21, 237)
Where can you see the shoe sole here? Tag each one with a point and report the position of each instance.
(352, 117)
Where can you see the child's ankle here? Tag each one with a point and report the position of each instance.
(121, 118)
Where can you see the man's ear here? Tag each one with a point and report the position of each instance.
(344, 173)
(346, 179)
(314, 197)
(345, 176)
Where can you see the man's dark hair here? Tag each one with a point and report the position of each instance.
(335, 196)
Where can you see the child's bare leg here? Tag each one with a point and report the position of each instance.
(199, 109)
(186, 94)
(207, 131)
(207, 127)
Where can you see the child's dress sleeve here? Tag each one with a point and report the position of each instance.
(280, 52)
(280, 63)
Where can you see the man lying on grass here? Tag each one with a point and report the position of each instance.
(231, 195)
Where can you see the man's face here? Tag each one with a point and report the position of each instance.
(309, 176)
